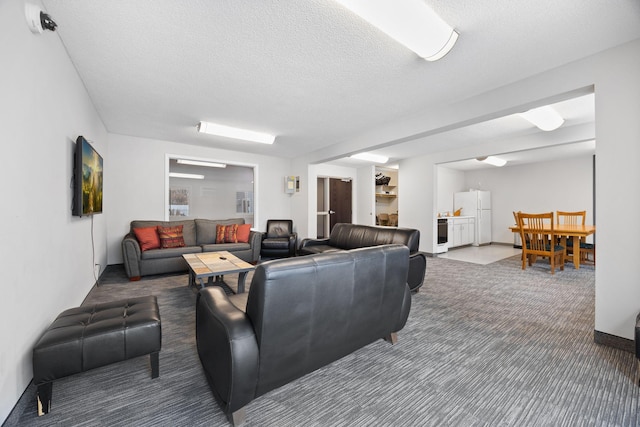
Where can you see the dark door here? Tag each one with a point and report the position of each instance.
(339, 201)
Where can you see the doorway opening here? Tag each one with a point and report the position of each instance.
(334, 199)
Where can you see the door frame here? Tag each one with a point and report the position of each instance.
(326, 199)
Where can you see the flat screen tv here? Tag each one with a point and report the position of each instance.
(87, 178)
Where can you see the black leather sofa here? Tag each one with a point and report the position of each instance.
(351, 236)
(300, 314)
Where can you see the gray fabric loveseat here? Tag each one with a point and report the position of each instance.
(199, 236)
(351, 236)
(300, 314)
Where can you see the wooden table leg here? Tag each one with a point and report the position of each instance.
(576, 252)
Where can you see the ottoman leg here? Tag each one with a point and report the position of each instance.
(43, 396)
(155, 364)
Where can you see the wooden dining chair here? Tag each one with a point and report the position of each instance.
(383, 219)
(393, 220)
(587, 250)
(539, 239)
(515, 217)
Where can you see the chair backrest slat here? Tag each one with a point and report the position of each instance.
(571, 218)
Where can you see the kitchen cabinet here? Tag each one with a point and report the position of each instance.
(461, 231)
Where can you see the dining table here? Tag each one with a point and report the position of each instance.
(578, 232)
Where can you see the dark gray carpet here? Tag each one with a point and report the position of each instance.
(485, 345)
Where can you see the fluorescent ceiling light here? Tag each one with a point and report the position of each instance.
(185, 175)
(370, 157)
(492, 160)
(545, 118)
(236, 133)
(409, 22)
(200, 163)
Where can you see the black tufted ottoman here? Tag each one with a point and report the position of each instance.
(91, 336)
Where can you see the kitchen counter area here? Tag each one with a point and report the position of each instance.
(454, 231)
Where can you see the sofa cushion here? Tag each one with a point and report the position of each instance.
(244, 230)
(206, 228)
(170, 253)
(171, 237)
(188, 228)
(147, 237)
(319, 249)
(231, 247)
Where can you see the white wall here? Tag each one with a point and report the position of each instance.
(450, 181)
(617, 181)
(136, 180)
(365, 197)
(46, 253)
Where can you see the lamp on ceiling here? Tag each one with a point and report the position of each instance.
(492, 160)
(185, 175)
(545, 118)
(201, 163)
(236, 133)
(369, 157)
(410, 22)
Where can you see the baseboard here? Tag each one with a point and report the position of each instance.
(613, 341)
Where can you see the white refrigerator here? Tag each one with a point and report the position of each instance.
(476, 204)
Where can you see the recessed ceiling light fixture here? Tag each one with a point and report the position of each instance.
(545, 118)
(201, 163)
(185, 175)
(492, 160)
(369, 157)
(410, 22)
(236, 133)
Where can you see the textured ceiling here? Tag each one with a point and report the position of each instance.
(309, 72)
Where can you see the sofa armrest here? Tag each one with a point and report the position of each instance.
(293, 241)
(131, 255)
(227, 348)
(255, 241)
(313, 242)
(417, 270)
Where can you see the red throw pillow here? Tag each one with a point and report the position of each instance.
(227, 233)
(231, 233)
(243, 233)
(220, 233)
(147, 237)
(171, 237)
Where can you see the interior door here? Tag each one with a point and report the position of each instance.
(339, 201)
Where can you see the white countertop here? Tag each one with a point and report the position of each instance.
(457, 217)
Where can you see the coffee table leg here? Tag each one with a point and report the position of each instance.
(241, 277)
(201, 283)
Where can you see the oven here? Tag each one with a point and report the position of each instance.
(443, 231)
(443, 235)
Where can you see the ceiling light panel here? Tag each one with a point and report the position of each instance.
(492, 160)
(185, 175)
(545, 118)
(201, 163)
(369, 157)
(410, 22)
(235, 133)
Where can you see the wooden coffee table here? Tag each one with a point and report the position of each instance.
(212, 265)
